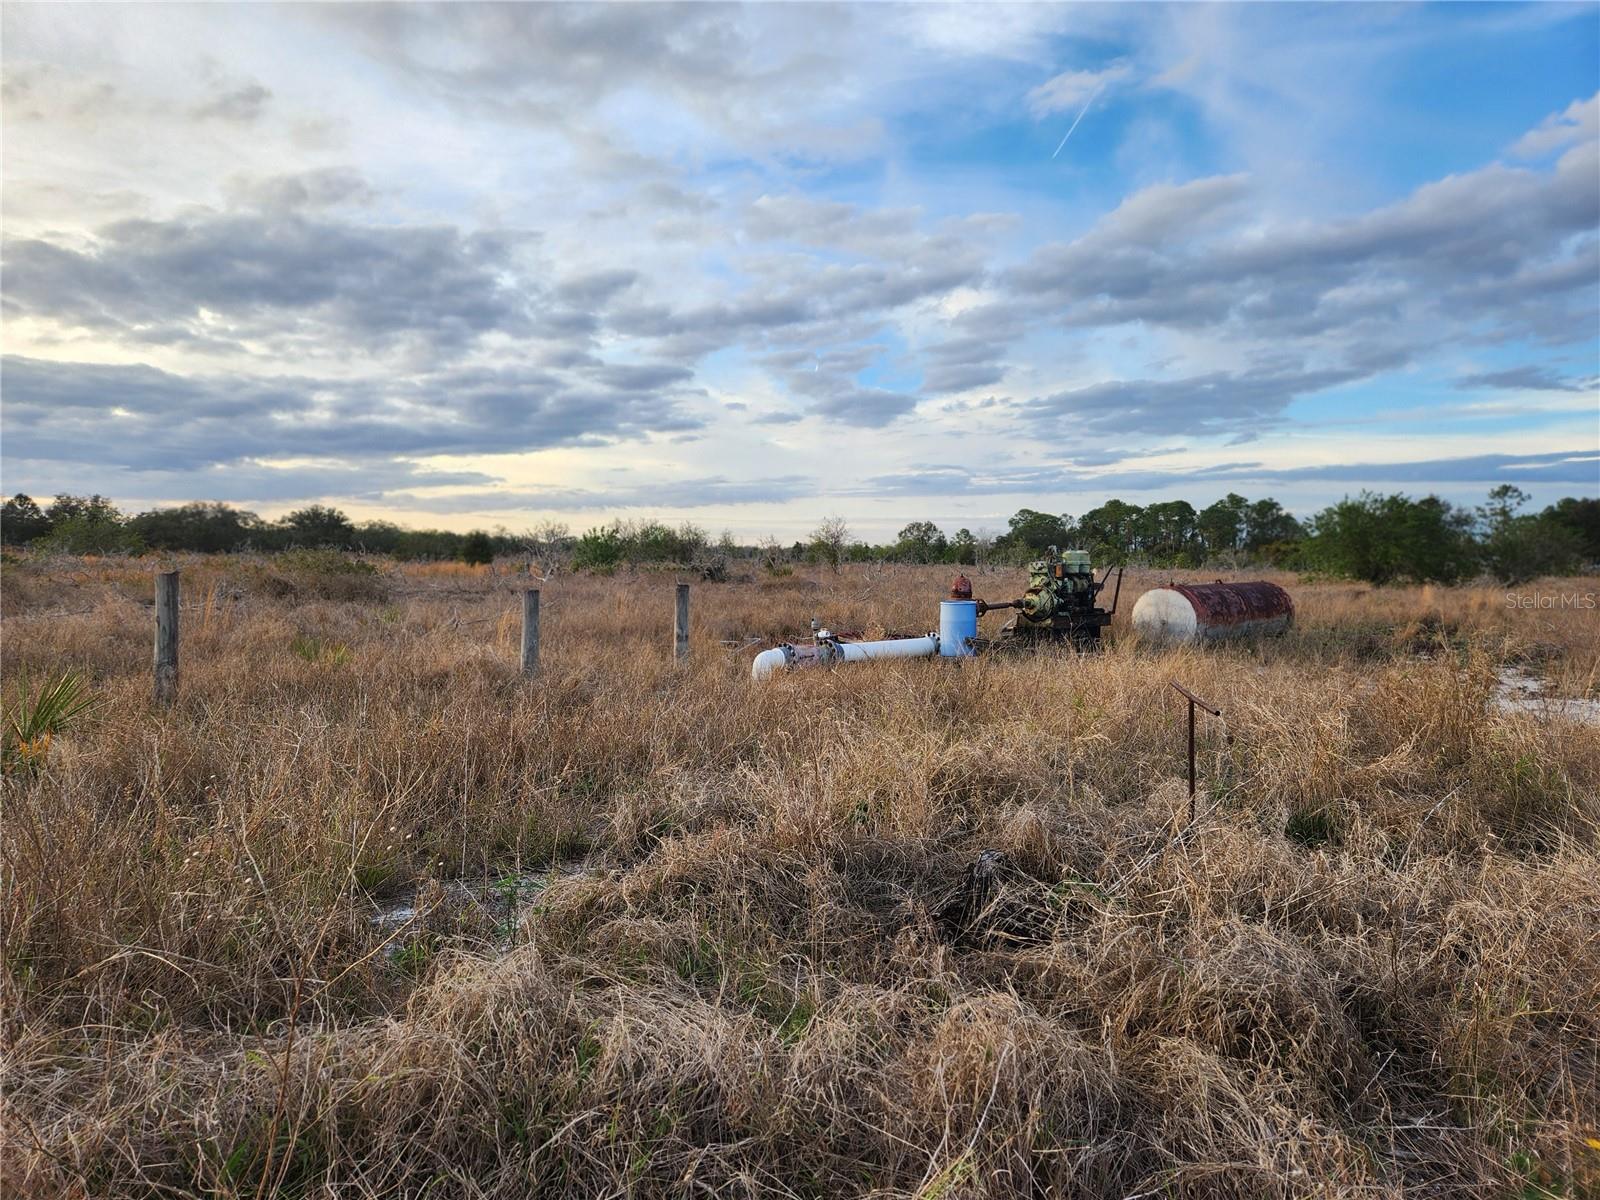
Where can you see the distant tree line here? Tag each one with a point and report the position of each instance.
(94, 525)
(1373, 537)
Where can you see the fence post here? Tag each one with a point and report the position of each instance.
(530, 632)
(680, 624)
(166, 637)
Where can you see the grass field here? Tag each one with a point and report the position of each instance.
(366, 914)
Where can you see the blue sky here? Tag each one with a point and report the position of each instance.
(752, 266)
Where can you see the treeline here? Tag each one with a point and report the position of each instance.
(94, 525)
(1373, 537)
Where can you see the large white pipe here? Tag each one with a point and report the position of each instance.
(780, 657)
(920, 647)
(772, 660)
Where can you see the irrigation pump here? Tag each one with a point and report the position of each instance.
(1060, 605)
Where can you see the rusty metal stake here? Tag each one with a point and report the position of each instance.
(1194, 701)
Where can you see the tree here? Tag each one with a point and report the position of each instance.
(1267, 522)
(828, 541)
(1167, 532)
(88, 526)
(1110, 532)
(22, 520)
(319, 525)
(1032, 532)
(206, 528)
(1501, 507)
(920, 542)
(1382, 539)
(547, 546)
(964, 547)
(96, 509)
(1518, 548)
(477, 549)
(1582, 519)
(1221, 525)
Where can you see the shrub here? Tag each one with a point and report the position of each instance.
(599, 549)
(477, 549)
(325, 575)
(36, 717)
(1386, 539)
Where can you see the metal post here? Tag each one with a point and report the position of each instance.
(166, 637)
(1191, 762)
(680, 624)
(1194, 702)
(530, 632)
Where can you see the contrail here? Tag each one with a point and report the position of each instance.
(1085, 109)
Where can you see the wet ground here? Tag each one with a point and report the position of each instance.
(496, 904)
(1521, 691)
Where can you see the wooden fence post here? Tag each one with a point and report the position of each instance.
(530, 632)
(166, 637)
(680, 624)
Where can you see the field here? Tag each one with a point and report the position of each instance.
(366, 914)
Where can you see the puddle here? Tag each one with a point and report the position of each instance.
(503, 901)
(1520, 691)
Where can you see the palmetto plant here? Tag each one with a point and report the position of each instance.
(37, 715)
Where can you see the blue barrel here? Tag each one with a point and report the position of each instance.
(958, 628)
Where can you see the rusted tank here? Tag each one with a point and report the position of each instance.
(1199, 612)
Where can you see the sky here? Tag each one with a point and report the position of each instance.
(492, 265)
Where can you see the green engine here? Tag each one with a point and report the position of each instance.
(1060, 603)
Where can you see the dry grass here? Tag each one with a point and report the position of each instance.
(1372, 968)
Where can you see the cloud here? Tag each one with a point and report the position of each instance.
(281, 276)
(1290, 309)
(1201, 405)
(241, 105)
(961, 364)
(246, 276)
(1506, 248)
(147, 419)
(1528, 377)
(706, 492)
(944, 479)
(1070, 90)
(935, 480)
(1579, 123)
(1556, 469)
(773, 80)
(870, 408)
(296, 191)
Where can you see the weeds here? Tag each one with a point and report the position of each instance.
(1370, 969)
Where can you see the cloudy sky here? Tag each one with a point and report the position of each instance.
(752, 266)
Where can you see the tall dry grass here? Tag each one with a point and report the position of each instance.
(1371, 967)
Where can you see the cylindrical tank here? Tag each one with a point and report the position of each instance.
(1193, 612)
(958, 628)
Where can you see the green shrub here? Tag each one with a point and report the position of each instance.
(36, 717)
(477, 548)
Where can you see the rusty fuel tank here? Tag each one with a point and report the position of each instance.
(1198, 612)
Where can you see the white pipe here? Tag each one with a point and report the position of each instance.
(769, 661)
(782, 657)
(920, 647)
